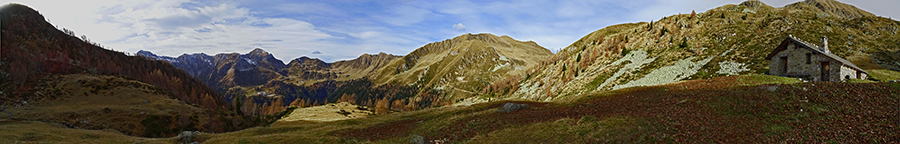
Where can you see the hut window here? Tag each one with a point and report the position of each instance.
(808, 58)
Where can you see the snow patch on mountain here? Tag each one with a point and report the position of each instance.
(250, 61)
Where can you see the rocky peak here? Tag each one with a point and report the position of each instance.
(308, 62)
(831, 7)
(753, 3)
(147, 54)
(258, 52)
(368, 60)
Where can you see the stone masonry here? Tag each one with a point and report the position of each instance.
(796, 58)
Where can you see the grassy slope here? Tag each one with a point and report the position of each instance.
(747, 32)
(472, 56)
(884, 75)
(39, 132)
(108, 102)
(747, 108)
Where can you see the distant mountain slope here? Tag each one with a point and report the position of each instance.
(306, 71)
(34, 51)
(463, 65)
(443, 72)
(261, 84)
(728, 40)
(227, 70)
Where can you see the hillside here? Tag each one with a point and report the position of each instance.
(436, 74)
(109, 102)
(37, 57)
(260, 84)
(305, 71)
(728, 40)
(731, 109)
(691, 78)
(462, 66)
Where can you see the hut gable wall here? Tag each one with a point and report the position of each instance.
(805, 61)
(848, 72)
(797, 62)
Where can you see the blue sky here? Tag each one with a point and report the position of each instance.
(335, 30)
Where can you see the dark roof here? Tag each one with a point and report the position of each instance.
(815, 49)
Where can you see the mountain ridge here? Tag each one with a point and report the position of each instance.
(43, 66)
(727, 40)
(437, 68)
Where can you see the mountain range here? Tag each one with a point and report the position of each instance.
(435, 74)
(728, 40)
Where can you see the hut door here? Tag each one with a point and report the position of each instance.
(784, 65)
(825, 71)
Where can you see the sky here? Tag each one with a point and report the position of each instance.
(334, 30)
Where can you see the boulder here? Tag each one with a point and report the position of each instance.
(187, 137)
(417, 139)
(511, 107)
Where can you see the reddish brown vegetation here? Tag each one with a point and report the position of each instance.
(35, 49)
(707, 110)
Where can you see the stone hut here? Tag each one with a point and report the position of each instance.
(797, 58)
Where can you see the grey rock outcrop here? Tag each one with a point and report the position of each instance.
(417, 139)
(511, 107)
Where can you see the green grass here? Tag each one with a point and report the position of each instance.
(755, 79)
(859, 81)
(883, 74)
(597, 81)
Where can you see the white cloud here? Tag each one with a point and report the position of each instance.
(345, 29)
(459, 27)
(366, 34)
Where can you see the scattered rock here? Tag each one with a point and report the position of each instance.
(772, 88)
(731, 68)
(511, 107)
(187, 137)
(417, 139)
(145, 101)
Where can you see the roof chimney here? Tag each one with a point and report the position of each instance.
(825, 44)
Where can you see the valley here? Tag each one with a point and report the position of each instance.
(703, 77)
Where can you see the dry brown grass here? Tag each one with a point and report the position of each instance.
(13, 131)
(734, 109)
(102, 102)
